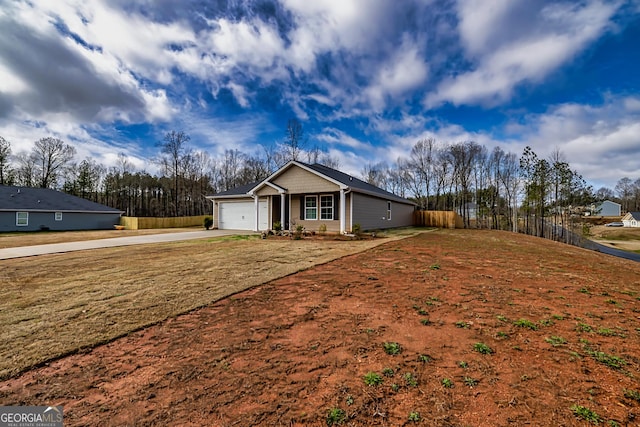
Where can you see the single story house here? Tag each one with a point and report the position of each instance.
(310, 196)
(31, 209)
(608, 208)
(631, 219)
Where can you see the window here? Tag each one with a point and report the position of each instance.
(326, 207)
(310, 207)
(58, 216)
(22, 219)
(389, 211)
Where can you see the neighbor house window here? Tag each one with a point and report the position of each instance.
(389, 211)
(326, 207)
(310, 207)
(22, 219)
(58, 216)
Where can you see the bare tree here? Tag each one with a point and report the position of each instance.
(174, 148)
(50, 156)
(6, 172)
(294, 140)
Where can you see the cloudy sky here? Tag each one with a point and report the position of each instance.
(367, 78)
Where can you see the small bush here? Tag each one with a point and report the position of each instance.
(632, 394)
(392, 348)
(388, 372)
(322, 229)
(336, 417)
(482, 348)
(586, 414)
(414, 417)
(470, 382)
(372, 379)
(277, 226)
(208, 222)
(447, 383)
(556, 340)
(524, 323)
(410, 380)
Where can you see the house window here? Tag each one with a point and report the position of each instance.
(326, 207)
(58, 216)
(22, 219)
(310, 207)
(388, 211)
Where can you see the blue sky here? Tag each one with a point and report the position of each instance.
(367, 78)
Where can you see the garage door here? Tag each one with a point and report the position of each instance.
(241, 215)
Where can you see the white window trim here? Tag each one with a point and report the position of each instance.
(388, 211)
(306, 208)
(330, 207)
(58, 216)
(18, 224)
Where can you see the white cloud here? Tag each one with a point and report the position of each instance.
(505, 56)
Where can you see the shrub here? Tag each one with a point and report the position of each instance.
(277, 226)
(208, 222)
(586, 414)
(482, 348)
(372, 379)
(392, 348)
(322, 229)
(336, 416)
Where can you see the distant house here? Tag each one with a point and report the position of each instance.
(631, 219)
(608, 208)
(30, 209)
(311, 196)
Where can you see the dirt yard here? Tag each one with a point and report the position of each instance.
(448, 328)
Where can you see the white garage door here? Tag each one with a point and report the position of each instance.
(241, 215)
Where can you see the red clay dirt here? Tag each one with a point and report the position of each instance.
(288, 352)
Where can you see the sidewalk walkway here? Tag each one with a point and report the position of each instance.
(27, 251)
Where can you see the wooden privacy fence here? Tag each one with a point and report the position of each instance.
(440, 219)
(138, 223)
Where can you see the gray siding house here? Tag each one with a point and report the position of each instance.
(608, 208)
(311, 196)
(31, 209)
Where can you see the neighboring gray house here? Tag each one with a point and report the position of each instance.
(608, 208)
(310, 195)
(30, 209)
(631, 219)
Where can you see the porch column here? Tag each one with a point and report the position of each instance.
(282, 216)
(343, 213)
(213, 213)
(256, 202)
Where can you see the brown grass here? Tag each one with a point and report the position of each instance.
(57, 304)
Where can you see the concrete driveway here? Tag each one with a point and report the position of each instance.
(27, 251)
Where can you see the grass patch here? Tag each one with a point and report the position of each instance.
(336, 417)
(482, 348)
(392, 348)
(586, 414)
(70, 296)
(524, 323)
(555, 341)
(373, 379)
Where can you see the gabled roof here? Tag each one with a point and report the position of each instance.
(340, 178)
(632, 215)
(241, 190)
(609, 201)
(30, 199)
(354, 184)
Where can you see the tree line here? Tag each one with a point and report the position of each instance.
(488, 188)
